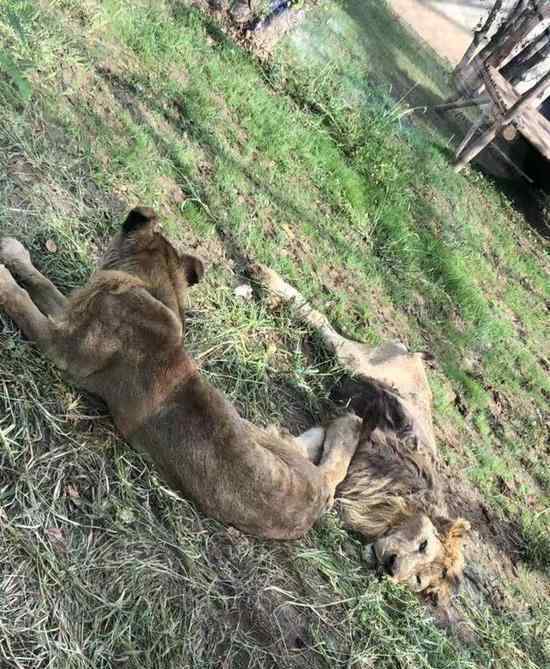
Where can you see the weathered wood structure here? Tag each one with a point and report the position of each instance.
(506, 73)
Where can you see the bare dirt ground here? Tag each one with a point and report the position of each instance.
(446, 26)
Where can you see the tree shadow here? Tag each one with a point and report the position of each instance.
(296, 403)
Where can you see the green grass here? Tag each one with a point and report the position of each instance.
(315, 170)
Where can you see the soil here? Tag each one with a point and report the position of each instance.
(445, 25)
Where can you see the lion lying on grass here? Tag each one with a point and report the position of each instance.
(121, 338)
(391, 494)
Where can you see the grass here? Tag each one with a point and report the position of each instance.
(106, 104)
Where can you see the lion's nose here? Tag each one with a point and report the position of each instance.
(389, 563)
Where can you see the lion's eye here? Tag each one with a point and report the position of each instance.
(423, 546)
(445, 572)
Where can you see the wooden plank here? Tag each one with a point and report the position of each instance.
(531, 123)
(520, 104)
(536, 129)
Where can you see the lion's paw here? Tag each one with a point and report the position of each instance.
(7, 283)
(13, 253)
(349, 423)
(346, 430)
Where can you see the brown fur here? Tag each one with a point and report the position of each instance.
(392, 472)
(392, 480)
(121, 337)
(391, 494)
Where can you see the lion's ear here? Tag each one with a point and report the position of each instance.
(449, 529)
(454, 557)
(193, 268)
(452, 540)
(141, 220)
(459, 528)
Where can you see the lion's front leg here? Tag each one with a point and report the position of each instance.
(16, 302)
(41, 290)
(341, 441)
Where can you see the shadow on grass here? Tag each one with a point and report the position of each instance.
(383, 39)
(180, 117)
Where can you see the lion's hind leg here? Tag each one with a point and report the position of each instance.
(41, 290)
(16, 302)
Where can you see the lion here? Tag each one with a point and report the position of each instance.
(121, 337)
(391, 495)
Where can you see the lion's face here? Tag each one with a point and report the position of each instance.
(141, 249)
(422, 557)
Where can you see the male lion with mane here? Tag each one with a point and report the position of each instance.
(120, 337)
(391, 494)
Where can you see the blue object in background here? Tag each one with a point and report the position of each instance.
(276, 8)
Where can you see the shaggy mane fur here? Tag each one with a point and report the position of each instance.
(392, 475)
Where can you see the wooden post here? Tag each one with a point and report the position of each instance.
(481, 36)
(464, 75)
(489, 135)
(462, 103)
(532, 67)
(470, 134)
(519, 39)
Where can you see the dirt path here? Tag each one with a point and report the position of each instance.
(445, 25)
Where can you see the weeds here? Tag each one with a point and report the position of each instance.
(101, 564)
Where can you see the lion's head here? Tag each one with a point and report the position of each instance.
(142, 250)
(426, 557)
